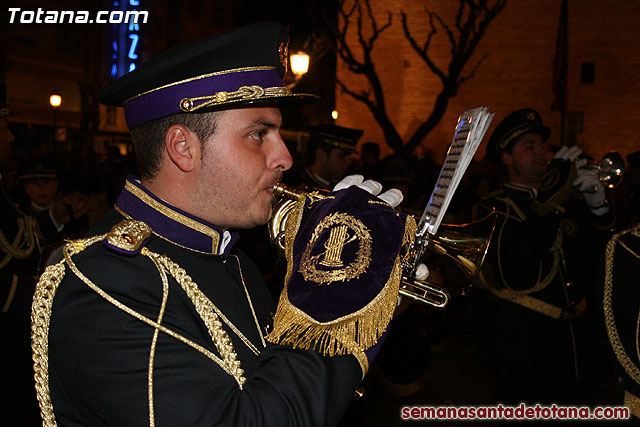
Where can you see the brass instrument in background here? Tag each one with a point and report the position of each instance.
(465, 245)
(610, 169)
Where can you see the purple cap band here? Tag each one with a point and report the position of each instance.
(166, 101)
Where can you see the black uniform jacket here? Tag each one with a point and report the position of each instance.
(540, 273)
(545, 262)
(621, 308)
(107, 367)
(22, 242)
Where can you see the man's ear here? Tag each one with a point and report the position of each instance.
(506, 158)
(183, 147)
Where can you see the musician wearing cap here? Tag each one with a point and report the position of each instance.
(156, 318)
(327, 157)
(24, 236)
(552, 224)
(41, 184)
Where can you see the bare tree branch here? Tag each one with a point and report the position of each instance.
(471, 21)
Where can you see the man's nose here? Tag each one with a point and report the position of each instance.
(279, 156)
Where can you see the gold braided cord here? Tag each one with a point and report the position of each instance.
(208, 313)
(556, 247)
(41, 315)
(150, 322)
(154, 341)
(243, 93)
(23, 244)
(612, 331)
(40, 319)
(632, 402)
(204, 76)
(253, 312)
(11, 294)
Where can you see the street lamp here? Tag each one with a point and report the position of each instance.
(55, 100)
(299, 64)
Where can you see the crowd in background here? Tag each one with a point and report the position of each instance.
(99, 178)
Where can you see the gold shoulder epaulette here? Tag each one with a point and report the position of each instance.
(128, 236)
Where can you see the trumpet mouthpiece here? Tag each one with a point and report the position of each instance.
(281, 190)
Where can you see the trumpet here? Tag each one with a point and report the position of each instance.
(610, 169)
(466, 245)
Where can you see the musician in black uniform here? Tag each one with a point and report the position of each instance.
(24, 238)
(620, 308)
(327, 157)
(158, 319)
(553, 220)
(41, 184)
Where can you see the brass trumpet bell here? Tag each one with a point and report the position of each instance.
(611, 169)
(465, 245)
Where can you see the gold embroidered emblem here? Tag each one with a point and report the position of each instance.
(343, 230)
(338, 238)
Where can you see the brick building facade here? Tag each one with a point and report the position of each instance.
(518, 72)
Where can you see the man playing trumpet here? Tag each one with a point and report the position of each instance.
(553, 220)
(158, 318)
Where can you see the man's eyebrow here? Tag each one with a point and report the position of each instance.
(265, 123)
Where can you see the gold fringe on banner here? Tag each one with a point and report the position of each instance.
(350, 334)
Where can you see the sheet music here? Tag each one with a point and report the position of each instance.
(471, 127)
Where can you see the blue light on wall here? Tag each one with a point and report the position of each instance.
(125, 41)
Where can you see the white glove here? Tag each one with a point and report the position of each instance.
(588, 183)
(422, 272)
(393, 196)
(568, 153)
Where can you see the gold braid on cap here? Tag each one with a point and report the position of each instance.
(243, 93)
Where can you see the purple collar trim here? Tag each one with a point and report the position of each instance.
(165, 101)
(169, 222)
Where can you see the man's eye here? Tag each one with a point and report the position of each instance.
(259, 134)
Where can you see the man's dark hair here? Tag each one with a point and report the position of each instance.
(148, 138)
